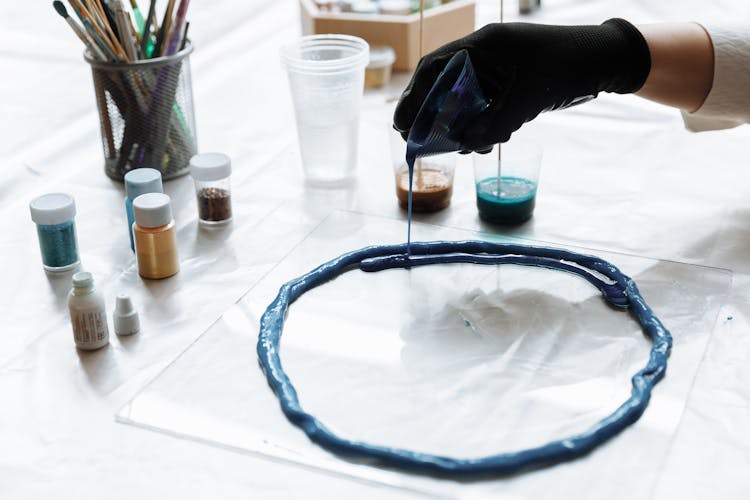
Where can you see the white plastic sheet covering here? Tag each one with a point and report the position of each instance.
(619, 175)
(452, 359)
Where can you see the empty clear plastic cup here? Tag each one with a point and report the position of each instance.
(432, 184)
(326, 77)
(506, 186)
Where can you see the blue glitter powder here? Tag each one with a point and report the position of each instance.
(58, 245)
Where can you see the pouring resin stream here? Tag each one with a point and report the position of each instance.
(453, 102)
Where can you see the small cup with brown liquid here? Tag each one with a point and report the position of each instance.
(432, 181)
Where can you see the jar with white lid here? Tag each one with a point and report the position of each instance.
(137, 182)
(54, 216)
(155, 236)
(211, 173)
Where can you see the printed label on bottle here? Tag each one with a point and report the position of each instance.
(89, 328)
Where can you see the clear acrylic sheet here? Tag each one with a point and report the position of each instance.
(452, 359)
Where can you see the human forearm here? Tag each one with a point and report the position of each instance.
(682, 64)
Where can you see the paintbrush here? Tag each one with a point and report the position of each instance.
(93, 31)
(88, 20)
(166, 25)
(101, 18)
(175, 39)
(184, 36)
(124, 27)
(111, 18)
(146, 34)
(139, 21)
(97, 17)
(78, 30)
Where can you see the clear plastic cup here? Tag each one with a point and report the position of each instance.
(506, 186)
(432, 184)
(326, 77)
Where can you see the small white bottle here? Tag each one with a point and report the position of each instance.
(87, 313)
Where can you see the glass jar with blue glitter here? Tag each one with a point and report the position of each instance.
(54, 215)
(137, 182)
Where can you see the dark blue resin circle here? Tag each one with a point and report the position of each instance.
(618, 290)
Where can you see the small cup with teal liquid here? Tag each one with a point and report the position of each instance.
(506, 182)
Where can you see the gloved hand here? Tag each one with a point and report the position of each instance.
(525, 69)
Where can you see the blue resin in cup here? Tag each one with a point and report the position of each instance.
(54, 215)
(506, 187)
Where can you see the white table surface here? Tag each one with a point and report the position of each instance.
(619, 174)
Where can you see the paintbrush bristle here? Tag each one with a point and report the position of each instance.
(60, 8)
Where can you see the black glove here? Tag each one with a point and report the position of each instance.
(525, 69)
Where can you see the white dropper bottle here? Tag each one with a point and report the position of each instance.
(87, 313)
(125, 317)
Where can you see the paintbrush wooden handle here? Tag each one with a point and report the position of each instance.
(106, 122)
(123, 27)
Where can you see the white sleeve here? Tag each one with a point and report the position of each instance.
(728, 103)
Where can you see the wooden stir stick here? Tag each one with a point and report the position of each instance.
(499, 146)
(418, 163)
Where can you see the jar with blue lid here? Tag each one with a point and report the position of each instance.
(137, 182)
(54, 216)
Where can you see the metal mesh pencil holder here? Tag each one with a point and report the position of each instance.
(146, 114)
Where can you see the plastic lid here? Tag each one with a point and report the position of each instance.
(141, 181)
(52, 208)
(381, 56)
(83, 279)
(210, 166)
(152, 210)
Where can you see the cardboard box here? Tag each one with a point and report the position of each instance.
(442, 24)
